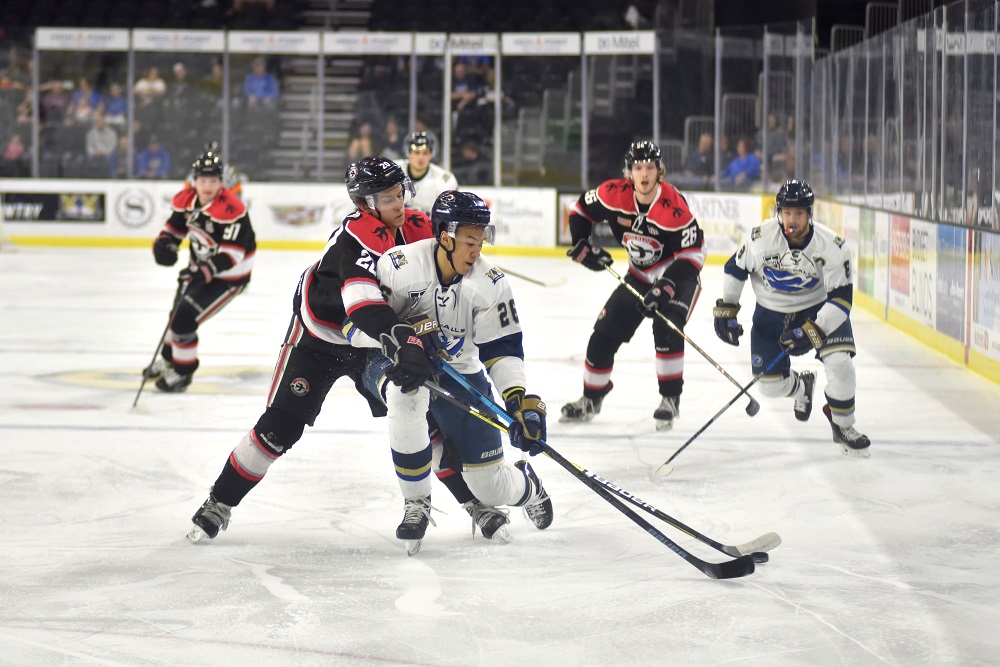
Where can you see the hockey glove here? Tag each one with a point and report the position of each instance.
(196, 275)
(799, 340)
(429, 333)
(410, 366)
(727, 328)
(528, 428)
(165, 249)
(595, 259)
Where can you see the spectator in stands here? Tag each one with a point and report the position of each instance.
(154, 161)
(783, 163)
(69, 146)
(472, 167)
(55, 101)
(14, 162)
(464, 87)
(101, 143)
(361, 144)
(699, 167)
(151, 86)
(116, 106)
(488, 95)
(776, 140)
(260, 86)
(118, 160)
(726, 153)
(85, 102)
(745, 167)
(179, 93)
(393, 148)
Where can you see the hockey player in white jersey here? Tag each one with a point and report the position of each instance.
(445, 281)
(429, 180)
(800, 272)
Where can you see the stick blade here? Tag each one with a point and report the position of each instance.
(753, 407)
(731, 569)
(765, 543)
(665, 470)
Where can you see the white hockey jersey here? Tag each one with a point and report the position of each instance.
(429, 186)
(474, 311)
(788, 280)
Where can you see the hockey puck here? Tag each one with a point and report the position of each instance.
(760, 557)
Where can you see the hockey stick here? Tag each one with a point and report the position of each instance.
(763, 543)
(667, 466)
(181, 288)
(556, 283)
(753, 407)
(740, 566)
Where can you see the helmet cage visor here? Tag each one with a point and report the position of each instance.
(452, 226)
(408, 193)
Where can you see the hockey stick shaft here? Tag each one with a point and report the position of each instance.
(178, 295)
(532, 280)
(665, 468)
(754, 406)
(765, 542)
(741, 566)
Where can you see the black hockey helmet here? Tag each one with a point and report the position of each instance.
(453, 209)
(374, 174)
(419, 141)
(208, 163)
(795, 194)
(642, 151)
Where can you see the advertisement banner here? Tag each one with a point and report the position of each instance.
(540, 43)
(899, 258)
(53, 206)
(522, 216)
(951, 255)
(923, 271)
(865, 278)
(986, 299)
(882, 257)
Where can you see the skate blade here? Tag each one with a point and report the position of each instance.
(575, 420)
(854, 453)
(502, 536)
(196, 535)
(664, 425)
(412, 547)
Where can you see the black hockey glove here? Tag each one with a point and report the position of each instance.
(595, 259)
(801, 339)
(410, 366)
(727, 328)
(196, 275)
(429, 333)
(670, 297)
(528, 428)
(165, 249)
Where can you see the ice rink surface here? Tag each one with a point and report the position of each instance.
(886, 561)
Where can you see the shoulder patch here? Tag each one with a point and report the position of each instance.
(495, 275)
(417, 226)
(370, 233)
(617, 194)
(670, 212)
(755, 233)
(839, 241)
(398, 258)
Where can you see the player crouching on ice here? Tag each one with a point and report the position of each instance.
(222, 253)
(476, 325)
(800, 271)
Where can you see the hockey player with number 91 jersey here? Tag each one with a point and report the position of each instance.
(800, 272)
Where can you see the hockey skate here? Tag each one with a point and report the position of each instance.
(492, 521)
(852, 442)
(210, 518)
(804, 406)
(174, 382)
(416, 515)
(584, 409)
(538, 508)
(669, 410)
(157, 369)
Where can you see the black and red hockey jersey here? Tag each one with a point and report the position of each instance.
(343, 282)
(220, 234)
(665, 235)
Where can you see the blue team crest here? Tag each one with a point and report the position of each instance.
(791, 272)
(398, 258)
(494, 274)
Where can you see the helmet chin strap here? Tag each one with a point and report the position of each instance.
(448, 254)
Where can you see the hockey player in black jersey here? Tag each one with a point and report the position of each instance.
(223, 245)
(652, 221)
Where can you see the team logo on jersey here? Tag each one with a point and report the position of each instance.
(642, 250)
(839, 241)
(755, 233)
(299, 386)
(398, 258)
(494, 274)
(791, 272)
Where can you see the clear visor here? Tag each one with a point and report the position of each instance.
(407, 194)
(489, 231)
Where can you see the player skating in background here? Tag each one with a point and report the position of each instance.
(222, 253)
(664, 243)
(429, 180)
(471, 302)
(232, 179)
(800, 272)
